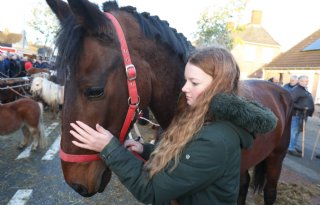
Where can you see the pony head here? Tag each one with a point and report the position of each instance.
(36, 86)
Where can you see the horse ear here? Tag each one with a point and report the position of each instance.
(88, 15)
(60, 8)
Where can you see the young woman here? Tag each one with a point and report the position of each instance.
(197, 161)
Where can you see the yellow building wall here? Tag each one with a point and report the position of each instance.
(251, 57)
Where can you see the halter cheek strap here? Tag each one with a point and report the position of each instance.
(133, 100)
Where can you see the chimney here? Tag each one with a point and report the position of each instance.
(256, 17)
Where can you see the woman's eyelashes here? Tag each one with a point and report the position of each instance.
(194, 83)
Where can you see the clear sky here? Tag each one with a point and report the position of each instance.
(288, 21)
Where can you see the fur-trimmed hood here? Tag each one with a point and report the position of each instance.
(249, 115)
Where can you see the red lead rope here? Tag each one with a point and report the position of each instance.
(133, 99)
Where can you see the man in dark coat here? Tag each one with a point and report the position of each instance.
(293, 82)
(303, 107)
(2, 70)
(5, 66)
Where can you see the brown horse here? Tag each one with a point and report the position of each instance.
(27, 115)
(33, 71)
(96, 90)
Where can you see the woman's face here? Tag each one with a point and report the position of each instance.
(196, 82)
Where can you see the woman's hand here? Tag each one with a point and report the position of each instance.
(133, 146)
(89, 138)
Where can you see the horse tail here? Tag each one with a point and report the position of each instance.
(259, 176)
(42, 136)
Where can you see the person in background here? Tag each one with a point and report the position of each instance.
(14, 66)
(302, 108)
(293, 82)
(37, 62)
(5, 66)
(27, 64)
(274, 80)
(2, 69)
(40, 63)
(197, 160)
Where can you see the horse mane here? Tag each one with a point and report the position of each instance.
(155, 28)
(71, 35)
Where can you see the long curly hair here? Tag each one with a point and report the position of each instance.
(188, 120)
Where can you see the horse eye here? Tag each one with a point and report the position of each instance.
(94, 92)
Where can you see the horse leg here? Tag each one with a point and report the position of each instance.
(244, 186)
(35, 132)
(274, 165)
(54, 112)
(26, 137)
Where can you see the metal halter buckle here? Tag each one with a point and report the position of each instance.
(130, 78)
(137, 104)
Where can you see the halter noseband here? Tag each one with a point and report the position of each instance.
(133, 100)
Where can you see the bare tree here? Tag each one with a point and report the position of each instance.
(45, 24)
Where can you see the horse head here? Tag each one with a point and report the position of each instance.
(36, 85)
(96, 89)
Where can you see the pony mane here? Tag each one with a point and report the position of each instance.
(71, 35)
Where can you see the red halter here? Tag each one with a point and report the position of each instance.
(133, 99)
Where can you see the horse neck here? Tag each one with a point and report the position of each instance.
(166, 72)
(166, 87)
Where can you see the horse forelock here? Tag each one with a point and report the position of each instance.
(70, 43)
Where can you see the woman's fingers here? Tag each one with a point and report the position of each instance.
(77, 136)
(129, 142)
(79, 133)
(78, 144)
(86, 128)
(90, 138)
(102, 130)
(133, 145)
(79, 129)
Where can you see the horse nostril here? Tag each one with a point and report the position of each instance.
(106, 176)
(81, 190)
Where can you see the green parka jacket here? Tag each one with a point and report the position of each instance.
(209, 169)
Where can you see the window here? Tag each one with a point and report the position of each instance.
(313, 46)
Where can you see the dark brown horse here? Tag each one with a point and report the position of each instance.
(96, 89)
(27, 115)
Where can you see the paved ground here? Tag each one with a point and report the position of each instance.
(305, 166)
(39, 181)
